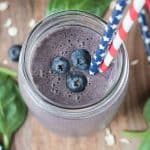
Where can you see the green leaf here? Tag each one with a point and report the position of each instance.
(146, 111)
(97, 7)
(145, 134)
(12, 109)
(132, 134)
(145, 145)
(9, 72)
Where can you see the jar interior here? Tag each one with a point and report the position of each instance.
(51, 38)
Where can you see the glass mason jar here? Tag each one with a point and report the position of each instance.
(65, 121)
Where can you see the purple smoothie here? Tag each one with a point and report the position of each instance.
(46, 94)
(53, 86)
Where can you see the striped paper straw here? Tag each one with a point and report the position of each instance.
(148, 4)
(145, 32)
(107, 36)
(124, 28)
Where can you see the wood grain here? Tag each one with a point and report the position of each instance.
(32, 135)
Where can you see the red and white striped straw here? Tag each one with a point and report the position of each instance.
(125, 26)
(148, 4)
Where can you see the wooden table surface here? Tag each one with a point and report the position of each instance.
(32, 135)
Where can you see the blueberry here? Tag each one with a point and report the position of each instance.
(60, 65)
(76, 81)
(14, 52)
(81, 59)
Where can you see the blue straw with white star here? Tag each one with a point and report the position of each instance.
(107, 36)
(145, 32)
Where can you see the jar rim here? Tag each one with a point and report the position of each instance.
(48, 106)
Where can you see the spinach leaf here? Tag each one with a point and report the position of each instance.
(12, 109)
(145, 134)
(146, 111)
(132, 134)
(8, 72)
(145, 145)
(97, 7)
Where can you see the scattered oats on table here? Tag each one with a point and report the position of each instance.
(124, 140)
(134, 62)
(4, 5)
(5, 61)
(109, 137)
(8, 23)
(12, 31)
(32, 23)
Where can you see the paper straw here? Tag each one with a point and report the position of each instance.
(107, 36)
(124, 28)
(148, 4)
(144, 28)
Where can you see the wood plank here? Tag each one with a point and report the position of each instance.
(32, 135)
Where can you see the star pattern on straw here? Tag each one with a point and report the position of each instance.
(102, 55)
(145, 32)
(91, 73)
(147, 41)
(101, 46)
(114, 26)
(107, 36)
(139, 19)
(119, 16)
(98, 62)
(118, 7)
(91, 64)
(106, 29)
(143, 12)
(145, 28)
(95, 57)
(110, 20)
